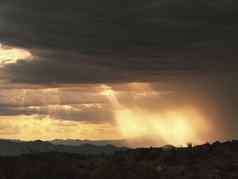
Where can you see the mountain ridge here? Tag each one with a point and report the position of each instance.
(15, 148)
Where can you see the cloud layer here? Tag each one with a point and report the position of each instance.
(185, 50)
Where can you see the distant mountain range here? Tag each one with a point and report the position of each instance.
(78, 142)
(15, 147)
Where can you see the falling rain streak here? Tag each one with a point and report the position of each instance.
(175, 126)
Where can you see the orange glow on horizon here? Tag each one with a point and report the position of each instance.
(150, 127)
(34, 127)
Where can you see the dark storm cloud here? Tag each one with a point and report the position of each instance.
(108, 41)
(62, 68)
(94, 25)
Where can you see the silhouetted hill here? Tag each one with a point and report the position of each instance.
(208, 161)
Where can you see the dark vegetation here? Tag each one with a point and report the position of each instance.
(208, 161)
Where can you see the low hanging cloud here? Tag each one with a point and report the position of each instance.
(64, 104)
(92, 115)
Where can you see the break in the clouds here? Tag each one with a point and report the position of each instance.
(56, 55)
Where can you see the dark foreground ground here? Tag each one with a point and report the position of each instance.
(212, 161)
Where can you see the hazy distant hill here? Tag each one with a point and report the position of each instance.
(78, 142)
(14, 148)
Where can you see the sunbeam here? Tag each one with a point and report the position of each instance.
(173, 126)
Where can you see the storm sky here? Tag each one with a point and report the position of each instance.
(116, 69)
